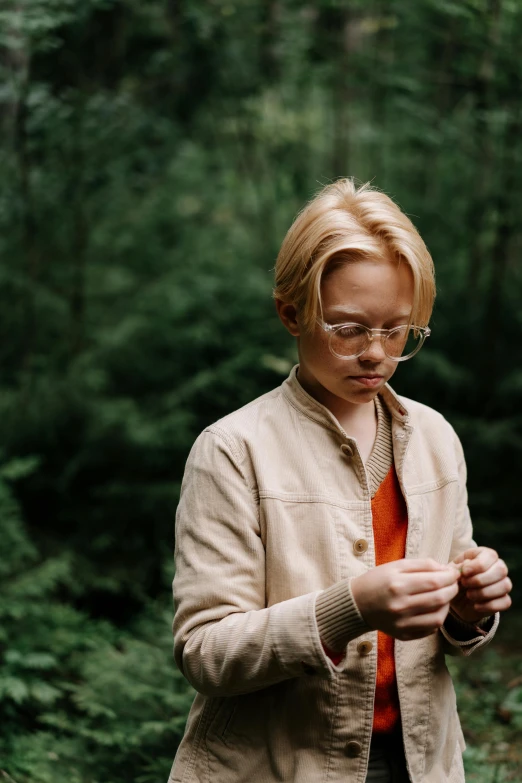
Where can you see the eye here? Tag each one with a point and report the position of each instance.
(349, 331)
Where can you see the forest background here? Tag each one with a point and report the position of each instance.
(153, 156)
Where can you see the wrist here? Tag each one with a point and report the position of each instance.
(478, 623)
(357, 591)
(465, 614)
(338, 617)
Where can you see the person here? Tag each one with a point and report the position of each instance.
(324, 554)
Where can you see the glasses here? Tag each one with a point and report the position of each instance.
(348, 341)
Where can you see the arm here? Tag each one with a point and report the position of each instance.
(226, 640)
(473, 618)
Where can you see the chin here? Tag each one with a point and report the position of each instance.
(359, 397)
(367, 395)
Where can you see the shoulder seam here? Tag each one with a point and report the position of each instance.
(238, 458)
(223, 435)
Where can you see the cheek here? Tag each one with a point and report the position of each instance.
(391, 367)
(316, 351)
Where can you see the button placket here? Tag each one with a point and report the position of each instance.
(361, 545)
(351, 451)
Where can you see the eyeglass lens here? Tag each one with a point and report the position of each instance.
(353, 340)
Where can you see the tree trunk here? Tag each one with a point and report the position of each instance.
(479, 209)
(499, 260)
(342, 94)
(17, 61)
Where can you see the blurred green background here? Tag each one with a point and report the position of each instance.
(153, 156)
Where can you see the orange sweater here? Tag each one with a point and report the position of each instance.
(390, 525)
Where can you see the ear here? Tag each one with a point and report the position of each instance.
(288, 315)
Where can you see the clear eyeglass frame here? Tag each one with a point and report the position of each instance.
(383, 334)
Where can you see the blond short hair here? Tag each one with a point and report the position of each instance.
(342, 224)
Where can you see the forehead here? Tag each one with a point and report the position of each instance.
(380, 288)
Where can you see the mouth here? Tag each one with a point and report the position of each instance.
(368, 380)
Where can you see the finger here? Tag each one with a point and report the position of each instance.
(482, 558)
(423, 581)
(495, 573)
(423, 624)
(457, 567)
(469, 554)
(490, 607)
(495, 590)
(423, 603)
(424, 564)
(426, 603)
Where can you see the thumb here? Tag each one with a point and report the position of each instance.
(469, 554)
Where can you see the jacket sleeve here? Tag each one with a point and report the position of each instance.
(462, 638)
(226, 639)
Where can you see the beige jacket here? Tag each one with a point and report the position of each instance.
(275, 509)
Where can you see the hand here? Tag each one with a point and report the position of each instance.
(407, 599)
(484, 585)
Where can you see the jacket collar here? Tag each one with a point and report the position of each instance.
(308, 405)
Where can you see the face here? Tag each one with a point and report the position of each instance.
(377, 294)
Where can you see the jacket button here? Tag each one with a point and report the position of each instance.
(308, 669)
(364, 648)
(360, 546)
(353, 749)
(347, 450)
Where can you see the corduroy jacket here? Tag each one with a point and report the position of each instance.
(275, 509)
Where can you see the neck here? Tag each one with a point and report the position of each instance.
(352, 416)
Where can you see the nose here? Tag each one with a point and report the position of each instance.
(375, 352)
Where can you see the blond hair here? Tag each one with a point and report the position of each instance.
(342, 224)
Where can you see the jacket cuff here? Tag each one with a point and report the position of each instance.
(467, 636)
(338, 617)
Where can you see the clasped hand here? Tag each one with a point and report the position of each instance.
(484, 585)
(410, 599)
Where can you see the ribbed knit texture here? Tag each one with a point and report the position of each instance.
(338, 619)
(381, 457)
(390, 525)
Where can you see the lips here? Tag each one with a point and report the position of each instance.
(368, 380)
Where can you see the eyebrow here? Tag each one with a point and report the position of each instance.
(341, 310)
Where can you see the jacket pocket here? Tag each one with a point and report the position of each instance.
(222, 722)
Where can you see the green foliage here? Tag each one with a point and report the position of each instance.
(80, 699)
(154, 155)
(489, 699)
